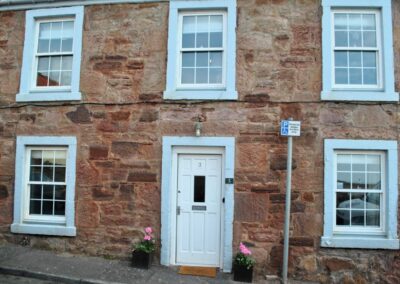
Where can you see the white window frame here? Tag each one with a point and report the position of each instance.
(386, 237)
(181, 50)
(175, 90)
(25, 223)
(379, 85)
(360, 229)
(384, 91)
(28, 89)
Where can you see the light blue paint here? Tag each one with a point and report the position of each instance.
(388, 93)
(390, 240)
(26, 93)
(228, 143)
(19, 225)
(17, 5)
(228, 93)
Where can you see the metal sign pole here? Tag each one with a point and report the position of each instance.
(287, 210)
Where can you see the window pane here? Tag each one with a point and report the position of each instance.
(47, 174)
(355, 58)
(373, 163)
(68, 30)
(340, 21)
(369, 22)
(43, 64)
(369, 59)
(59, 208)
(369, 39)
(35, 174)
(42, 79)
(373, 200)
(341, 39)
(354, 22)
(60, 158)
(342, 200)
(343, 181)
(55, 42)
(188, 59)
(358, 162)
(60, 192)
(341, 59)
(65, 78)
(48, 191)
(343, 162)
(358, 181)
(373, 218)
(36, 191)
(202, 59)
(47, 208)
(201, 75)
(66, 63)
(370, 76)
(342, 217)
(357, 201)
(354, 39)
(357, 217)
(36, 158)
(189, 28)
(216, 76)
(374, 181)
(187, 75)
(216, 59)
(35, 207)
(66, 45)
(216, 28)
(44, 37)
(55, 63)
(355, 76)
(202, 31)
(59, 173)
(199, 188)
(54, 78)
(55, 45)
(341, 76)
(48, 158)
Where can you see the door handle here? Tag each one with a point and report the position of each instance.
(178, 210)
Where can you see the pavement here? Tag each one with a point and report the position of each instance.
(20, 264)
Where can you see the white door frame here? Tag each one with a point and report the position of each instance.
(176, 151)
(172, 146)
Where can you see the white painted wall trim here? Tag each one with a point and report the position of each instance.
(228, 144)
(6, 5)
(388, 241)
(19, 224)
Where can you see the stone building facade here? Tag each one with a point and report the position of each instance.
(128, 134)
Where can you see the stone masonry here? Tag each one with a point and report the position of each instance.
(122, 117)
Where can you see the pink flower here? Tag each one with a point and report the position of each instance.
(243, 249)
(147, 238)
(148, 230)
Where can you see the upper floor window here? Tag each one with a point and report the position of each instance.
(357, 51)
(201, 50)
(202, 45)
(52, 55)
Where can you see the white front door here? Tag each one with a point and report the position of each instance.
(199, 210)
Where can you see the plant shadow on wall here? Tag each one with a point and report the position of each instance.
(143, 251)
(243, 265)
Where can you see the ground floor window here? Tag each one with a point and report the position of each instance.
(45, 185)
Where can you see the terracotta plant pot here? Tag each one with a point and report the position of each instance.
(141, 259)
(242, 274)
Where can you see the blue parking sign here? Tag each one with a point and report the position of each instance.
(284, 127)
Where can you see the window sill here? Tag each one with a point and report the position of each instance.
(377, 96)
(201, 95)
(365, 242)
(40, 229)
(48, 96)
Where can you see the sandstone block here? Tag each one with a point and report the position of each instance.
(334, 264)
(142, 177)
(80, 115)
(98, 152)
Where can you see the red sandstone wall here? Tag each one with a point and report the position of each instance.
(122, 118)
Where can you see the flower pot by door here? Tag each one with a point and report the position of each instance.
(242, 274)
(141, 259)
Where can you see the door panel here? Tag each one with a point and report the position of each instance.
(199, 209)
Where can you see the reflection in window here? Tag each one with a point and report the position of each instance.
(199, 188)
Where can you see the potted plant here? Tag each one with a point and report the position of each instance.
(243, 265)
(142, 254)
